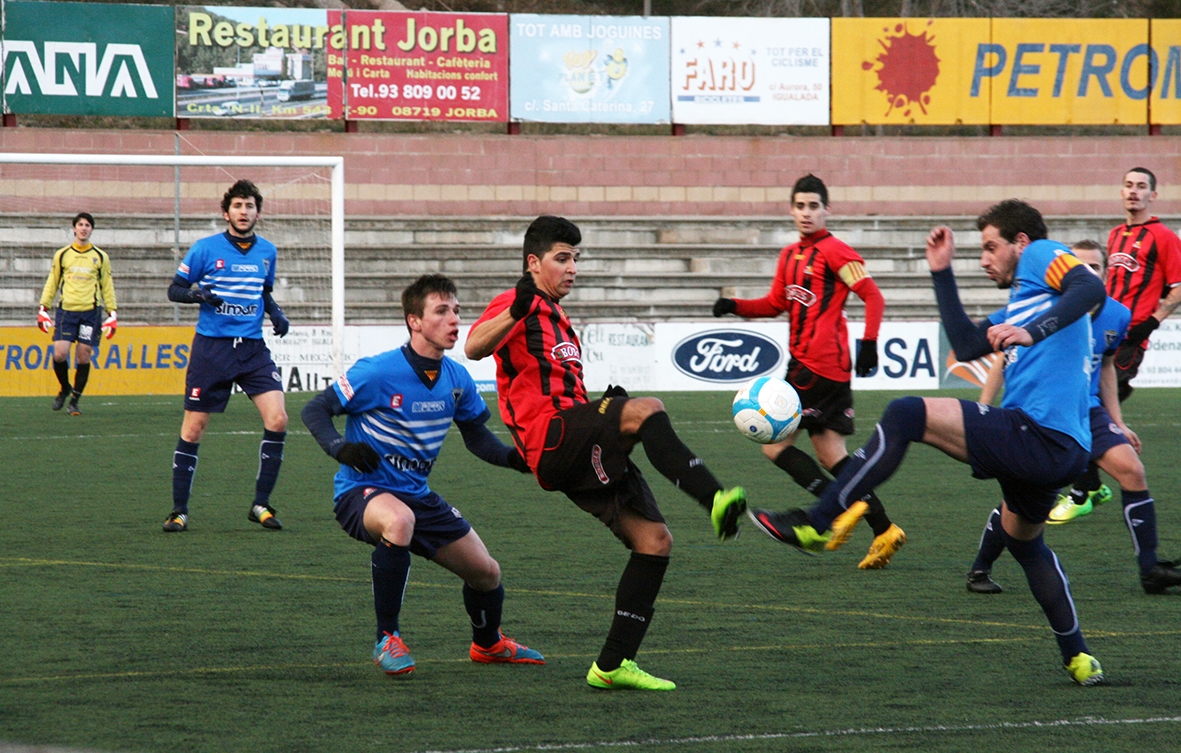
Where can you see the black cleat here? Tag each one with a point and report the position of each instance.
(980, 583)
(60, 400)
(791, 528)
(176, 522)
(1162, 576)
(73, 408)
(265, 516)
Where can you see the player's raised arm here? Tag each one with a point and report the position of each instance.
(486, 335)
(940, 248)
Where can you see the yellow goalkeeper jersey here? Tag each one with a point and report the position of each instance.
(83, 275)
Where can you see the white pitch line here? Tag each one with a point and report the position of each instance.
(999, 726)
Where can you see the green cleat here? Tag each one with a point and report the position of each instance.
(1101, 496)
(627, 677)
(729, 504)
(791, 528)
(1085, 670)
(1066, 510)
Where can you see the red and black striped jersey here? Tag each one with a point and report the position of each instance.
(1143, 263)
(538, 371)
(811, 283)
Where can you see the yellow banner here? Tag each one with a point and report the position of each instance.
(907, 70)
(1058, 71)
(1165, 106)
(137, 361)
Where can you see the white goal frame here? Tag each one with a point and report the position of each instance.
(337, 202)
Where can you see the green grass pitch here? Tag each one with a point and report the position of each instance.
(117, 637)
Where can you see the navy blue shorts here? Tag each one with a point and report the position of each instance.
(1030, 461)
(436, 523)
(1104, 433)
(78, 326)
(216, 363)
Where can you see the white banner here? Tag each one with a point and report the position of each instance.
(1162, 362)
(908, 356)
(764, 71)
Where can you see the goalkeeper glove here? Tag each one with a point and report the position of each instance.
(523, 302)
(110, 324)
(280, 323)
(867, 358)
(44, 321)
(724, 306)
(614, 390)
(359, 456)
(206, 295)
(1141, 331)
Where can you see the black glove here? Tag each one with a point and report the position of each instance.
(1141, 331)
(523, 303)
(867, 358)
(280, 323)
(724, 306)
(206, 295)
(516, 462)
(359, 456)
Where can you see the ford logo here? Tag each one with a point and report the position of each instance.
(727, 356)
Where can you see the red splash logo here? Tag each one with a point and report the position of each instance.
(906, 69)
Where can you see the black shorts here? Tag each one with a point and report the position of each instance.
(1127, 364)
(217, 363)
(78, 326)
(586, 458)
(825, 404)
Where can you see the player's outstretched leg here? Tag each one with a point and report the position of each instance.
(489, 645)
(184, 467)
(635, 599)
(992, 543)
(270, 459)
(391, 570)
(1156, 576)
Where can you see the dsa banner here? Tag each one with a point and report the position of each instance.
(767, 71)
(426, 66)
(589, 69)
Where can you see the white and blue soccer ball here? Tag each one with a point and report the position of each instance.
(767, 410)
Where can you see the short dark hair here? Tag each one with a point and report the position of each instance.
(810, 184)
(82, 216)
(243, 189)
(544, 232)
(415, 295)
(1090, 245)
(1013, 216)
(1146, 171)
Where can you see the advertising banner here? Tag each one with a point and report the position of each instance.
(88, 59)
(269, 63)
(1164, 107)
(1162, 363)
(907, 70)
(766, 71)
(908, 356)
(589, 69)
(426, 66)
(1060, 71)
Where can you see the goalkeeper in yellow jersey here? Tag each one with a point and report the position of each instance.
(81, 272)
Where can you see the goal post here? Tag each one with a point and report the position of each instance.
(336, 202)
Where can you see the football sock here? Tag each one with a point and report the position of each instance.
(992, 542)
(1049, 586)
(1086, 484)
(484, 607)
(903, 422)
(270, 457)
(879, 522)
(391, 570)
(803, 469)
(634, 606)
(62, 370)
(676, 462)
(184, 465)
(1140, 517)
(81, 375)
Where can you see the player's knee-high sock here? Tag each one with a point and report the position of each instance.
(61, 369)
(1086, 484)
(992, 542)
(391, 570)
(1050, 587)
(1140, 517)
(270, 457)
(81, 375)
(484, 607)
(676, 462)
(634, 606)
(879, 522)
(903, 422)
(803, 469)
(184, 466)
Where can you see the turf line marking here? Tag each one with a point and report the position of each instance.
(862, 731)
(41, 437)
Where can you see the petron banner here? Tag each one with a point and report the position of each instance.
(589, 69)
(257, 63)
(90, 59)
(908, 71)
(772, 71)
(426, 66)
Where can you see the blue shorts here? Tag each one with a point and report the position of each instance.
(78, 326)
(1104, 433)
(1030, 461)
(436, 523)
(216, 363)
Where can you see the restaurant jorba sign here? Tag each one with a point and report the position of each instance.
(88, 59)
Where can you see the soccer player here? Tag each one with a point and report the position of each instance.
(400, 405)
(581, 447)
(812, 281)
(1038, 441)
(81, 272)
(234, 272)
(1114, 448)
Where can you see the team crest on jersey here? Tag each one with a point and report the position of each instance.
(1126, 261)
(266, 265)
(565, 352)
(396, 401)
(219, 264)
(597, 464)
(456, 395)
(799, 294)
(1110, 336)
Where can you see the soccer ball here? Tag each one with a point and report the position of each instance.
(767, 410)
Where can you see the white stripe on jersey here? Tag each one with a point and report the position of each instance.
(1024, 311)
(400, 434)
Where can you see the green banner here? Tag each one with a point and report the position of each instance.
(88, 59)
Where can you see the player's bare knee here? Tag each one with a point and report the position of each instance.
(656, 540)
(487, 577)
(636, 411)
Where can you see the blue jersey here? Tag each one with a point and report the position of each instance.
(390, 409)
(237, 276)
(1108, 329)
(1049, 380)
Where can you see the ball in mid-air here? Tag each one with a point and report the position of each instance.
(767, 410)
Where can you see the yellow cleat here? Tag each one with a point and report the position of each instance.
(883, 548)
(842, 527)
